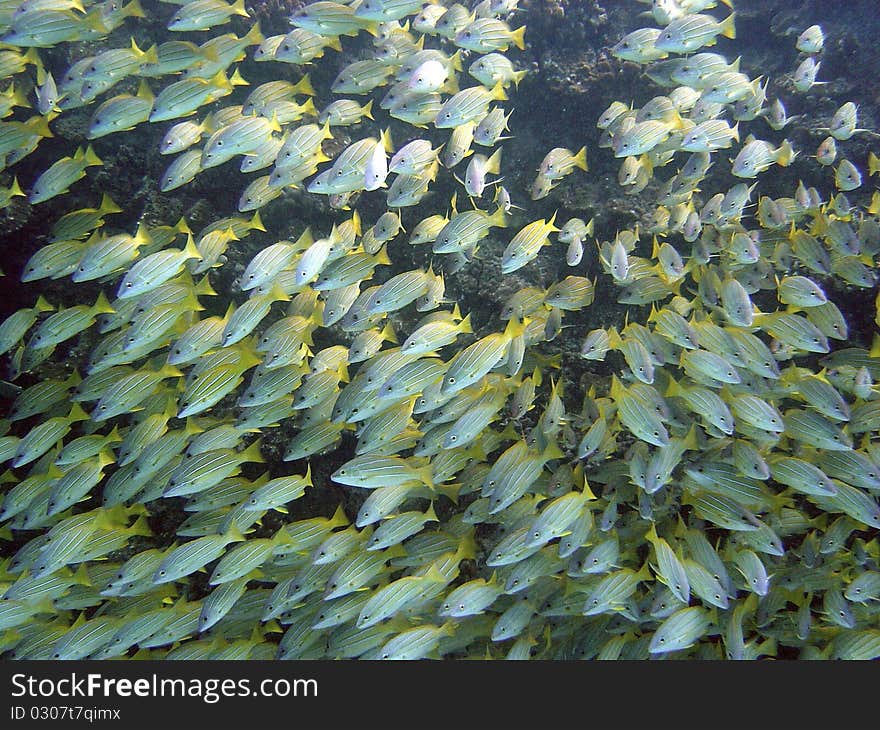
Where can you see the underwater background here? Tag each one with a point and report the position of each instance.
(638, 417)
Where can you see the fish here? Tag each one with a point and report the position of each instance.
(753, 571)
(239, 137)
(863, 588)
(398, 528)
(730, 416)
(205, 14)
(430, 76)
(361, 77)
(709, 136)
(375, 471)
(640, 138)
(596, 344)
(464, 230)
(854, 502)
(680, 630)
(847, 176)
(478, 168)
(344, 112)
(557, 517)
(62, 174)
(413, 158)
(694, 31)
(727, 87)
(639, 415)
(810, 40)
(329, 18)
(435, 334)
(468, 105)
(472, 363)
(485, 35)
(843, 123)
(804, 77)
(493, 68)
(122, 112)
(639, 46)
(416, 643)
(670, 570)
(559, 162)
(758, 155)
(192, 555)
(526, 244)
(613, 590)
(47, 93)
(471, 598)
(302, 45)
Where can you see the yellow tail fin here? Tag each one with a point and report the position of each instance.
(498, 92)
(518, 38)
(728, 30)
(304, 86)
(580, 159)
